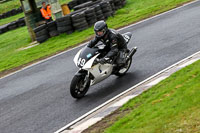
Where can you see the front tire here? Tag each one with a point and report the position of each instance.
(122, 71)
(78, 87)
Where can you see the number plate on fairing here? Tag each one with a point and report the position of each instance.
(85, 55)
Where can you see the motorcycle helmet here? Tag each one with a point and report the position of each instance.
(100, 28)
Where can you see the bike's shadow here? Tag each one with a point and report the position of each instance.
(111, 86)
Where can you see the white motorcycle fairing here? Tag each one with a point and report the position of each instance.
(76, 57)
(99, 71)
(92, 72)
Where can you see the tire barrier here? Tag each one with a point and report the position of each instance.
(64, 25)
(11, 13)
(106, 9)
(41, 33)
(12, 25)
(86, 15)
(75, 3)
(21, 22)
(90, 16)
(78, 20)
(119, 3)
(52, 29)
(3, 29)
(72, 4)
(84, 5)
(112, 5)
(99, 13)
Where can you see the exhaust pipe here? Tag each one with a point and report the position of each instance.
(131, 53)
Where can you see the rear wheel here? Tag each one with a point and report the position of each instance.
(79, 86)
(122, 71)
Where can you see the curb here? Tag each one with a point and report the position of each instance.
(113, 104)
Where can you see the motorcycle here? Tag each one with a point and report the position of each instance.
(92, 72)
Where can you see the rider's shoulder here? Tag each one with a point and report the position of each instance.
(113, 33)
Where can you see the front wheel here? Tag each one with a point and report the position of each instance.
(79, 86)
(122, 71)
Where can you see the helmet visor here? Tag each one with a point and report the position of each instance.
(100, 32)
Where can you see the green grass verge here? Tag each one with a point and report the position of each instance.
(134, 10)
(171, 106)
(7, 6)
(11, 19)
(13, 4)
(64, 1)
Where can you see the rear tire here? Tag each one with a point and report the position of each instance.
(77, 88)
(124, 70)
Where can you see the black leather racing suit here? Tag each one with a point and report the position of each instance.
(114, 43)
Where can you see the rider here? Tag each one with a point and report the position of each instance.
(112, 39)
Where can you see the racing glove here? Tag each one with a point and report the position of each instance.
(104, 60)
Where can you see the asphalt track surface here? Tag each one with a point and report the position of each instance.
(37, 99)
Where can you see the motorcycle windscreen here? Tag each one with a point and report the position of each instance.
(85, 55)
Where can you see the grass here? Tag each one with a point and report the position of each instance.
(64, 1)
(11, 19)
(172, 106)
(11, 57)
(7, 6)
(134, 11)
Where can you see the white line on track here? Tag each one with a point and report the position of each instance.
(121, 94)
(87, 42)
(94, 118)
(128, 90)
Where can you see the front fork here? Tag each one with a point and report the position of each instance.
(85, 74)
